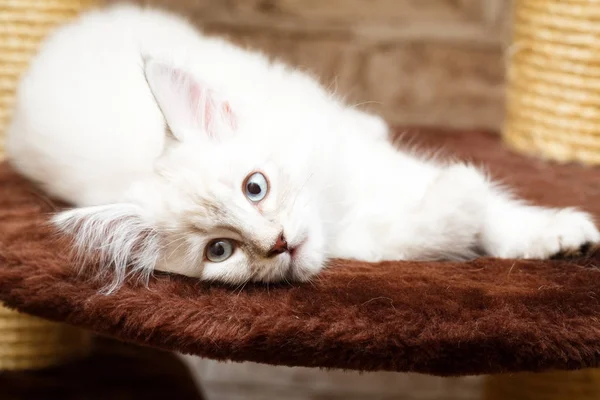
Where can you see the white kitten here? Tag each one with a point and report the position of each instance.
(187, 154)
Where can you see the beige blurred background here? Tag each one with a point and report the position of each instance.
(417, 62)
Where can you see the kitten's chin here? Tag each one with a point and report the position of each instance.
(299, 274)
(305, 264)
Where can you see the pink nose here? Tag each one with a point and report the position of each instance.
(279, 247)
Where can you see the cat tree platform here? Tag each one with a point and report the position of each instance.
(444, 318)
(488, 316)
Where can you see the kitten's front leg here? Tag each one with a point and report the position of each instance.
(446, 223)
(468, 208)
(516, 230)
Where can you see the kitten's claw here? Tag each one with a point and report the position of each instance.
(585, 249)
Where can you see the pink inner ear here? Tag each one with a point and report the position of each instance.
(200, 97)
(229, 115)
(210, 109)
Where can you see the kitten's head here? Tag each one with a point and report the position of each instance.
(231, 199)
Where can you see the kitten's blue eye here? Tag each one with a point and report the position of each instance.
(256, 187)
(219, 250)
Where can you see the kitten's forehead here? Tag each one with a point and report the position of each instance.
(209, 212)
(212, 213)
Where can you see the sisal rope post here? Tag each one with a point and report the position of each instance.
(27, 342)
(553, 80)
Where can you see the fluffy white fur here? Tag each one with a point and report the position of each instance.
(151, 128)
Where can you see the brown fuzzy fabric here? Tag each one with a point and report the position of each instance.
(485, 316)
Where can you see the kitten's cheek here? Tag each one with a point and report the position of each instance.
(177, 265)
(226, 272)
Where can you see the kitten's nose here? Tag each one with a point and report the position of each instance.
(279, 247)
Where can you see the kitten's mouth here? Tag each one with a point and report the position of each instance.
(293, 250)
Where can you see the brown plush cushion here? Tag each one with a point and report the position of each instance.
(484, 316)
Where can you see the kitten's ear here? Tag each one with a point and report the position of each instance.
(116, 236)
(190, 107)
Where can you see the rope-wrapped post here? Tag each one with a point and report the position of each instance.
(27, 342)
(553, 80)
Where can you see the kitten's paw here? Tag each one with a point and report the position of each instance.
(565, 232)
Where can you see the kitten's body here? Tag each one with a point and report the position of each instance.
(90, 127)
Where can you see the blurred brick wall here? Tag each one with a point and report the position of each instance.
(417, 62)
